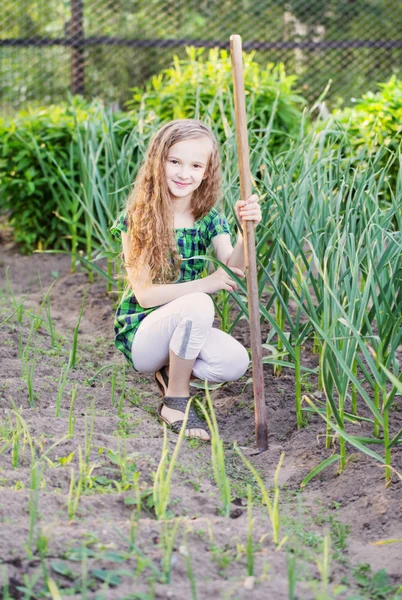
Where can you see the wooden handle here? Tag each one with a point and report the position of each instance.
(261, 428)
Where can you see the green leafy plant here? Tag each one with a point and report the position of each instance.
(32, 144)
(218, 454)
(200, 86)
(375, 585)
(372, 126)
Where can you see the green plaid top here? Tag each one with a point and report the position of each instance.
(193, 241)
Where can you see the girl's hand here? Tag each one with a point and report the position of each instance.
(220, 280)
(249, 210)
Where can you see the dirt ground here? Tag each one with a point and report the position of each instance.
(109, 551)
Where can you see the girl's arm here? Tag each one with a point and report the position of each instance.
(224, 251)
(247, 210)
(150, 294)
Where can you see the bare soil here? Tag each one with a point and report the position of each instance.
(354, 509)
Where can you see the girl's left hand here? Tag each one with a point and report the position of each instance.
(249, 210)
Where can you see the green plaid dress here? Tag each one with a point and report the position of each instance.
(193, 241)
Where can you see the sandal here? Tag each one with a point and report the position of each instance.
(193, 421)
(162, 381)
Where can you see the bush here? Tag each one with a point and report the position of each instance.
(199, 87)
(30, 147)
(373, 126)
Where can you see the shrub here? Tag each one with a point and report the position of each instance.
(30, 146)
(373, 126)
(376, 119)
(199, 87)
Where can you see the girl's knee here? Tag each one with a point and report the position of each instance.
(241, 362)
(200, 308)
(237, 362)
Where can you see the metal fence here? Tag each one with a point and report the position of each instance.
(102, 48)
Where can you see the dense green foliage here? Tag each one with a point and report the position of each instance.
(201, 87)
(375, 122)
(32, 149)
(372, 129)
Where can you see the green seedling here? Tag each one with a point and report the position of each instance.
(113, 386)
(189, 567)
(73, 351)
(30, 584)
(324, 567)
(250, 543)
(91, 380)
(272, 505)
(16, 311)
(75, 489)
(14, 432)
(37, 470)
(218, 454)
(5, 588)
(89, 434)
(168, 537)
(164, 472)
(127, 467)
(46, 305)
(28, 365)
(71, 418)
(62, 384)
(291, 566)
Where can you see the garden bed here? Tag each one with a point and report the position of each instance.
(106, 548)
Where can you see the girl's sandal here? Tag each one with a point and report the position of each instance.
(193, 421)
(162, 381)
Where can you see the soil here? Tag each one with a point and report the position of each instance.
(90, 555)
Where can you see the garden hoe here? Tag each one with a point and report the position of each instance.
(261, 428)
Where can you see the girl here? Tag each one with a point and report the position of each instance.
(164, 321)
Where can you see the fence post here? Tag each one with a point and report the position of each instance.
(76, 34)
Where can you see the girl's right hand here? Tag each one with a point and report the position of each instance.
(220, 280)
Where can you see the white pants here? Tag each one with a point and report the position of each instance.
(185, 326)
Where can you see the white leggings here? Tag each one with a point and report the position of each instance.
(185, 326)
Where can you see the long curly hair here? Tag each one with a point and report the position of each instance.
(149, 205)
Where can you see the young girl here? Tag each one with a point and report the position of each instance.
(164, 321)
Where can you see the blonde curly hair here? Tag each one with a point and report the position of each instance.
(149, 205)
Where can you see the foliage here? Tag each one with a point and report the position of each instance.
(373, 125)
(199, 87)
(31, 147)
(374, 585)
(376, 119)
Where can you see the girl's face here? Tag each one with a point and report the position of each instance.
(186, 166)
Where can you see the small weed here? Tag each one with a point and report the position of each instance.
(242, 404)
(126, 426)
(339, 534)
(134, 397)
(150, 410)
(222, 557)
(194, 442)
(196, 484)
(307, 386)
(375, 586)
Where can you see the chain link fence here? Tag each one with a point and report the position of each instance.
(102, 48)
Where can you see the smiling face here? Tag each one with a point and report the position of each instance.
(186, 166)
